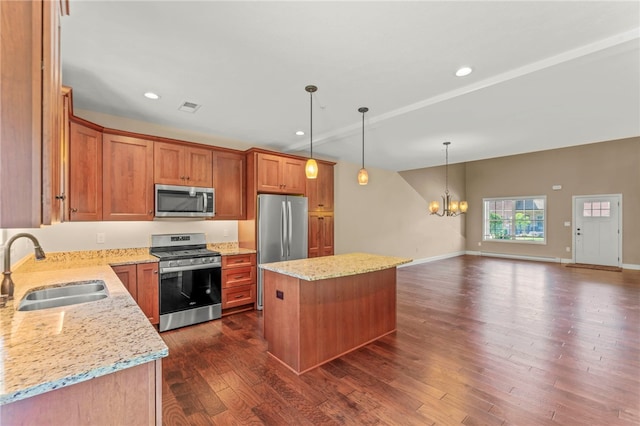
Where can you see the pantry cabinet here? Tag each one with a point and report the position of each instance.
(229, 173)
(279, 174)
(142, 282)
(238, 282)
(85, 172)
(128, 192)
(320, 195)
(176, 164)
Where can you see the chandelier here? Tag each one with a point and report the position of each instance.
(449, 207)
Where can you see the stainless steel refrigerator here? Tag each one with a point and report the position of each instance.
(282, 231)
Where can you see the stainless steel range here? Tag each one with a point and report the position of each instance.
(190, 280)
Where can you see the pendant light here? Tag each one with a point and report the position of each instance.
(363, 176)
(311, 168)
(450, 207)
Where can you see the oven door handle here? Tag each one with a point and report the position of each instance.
(190, 267)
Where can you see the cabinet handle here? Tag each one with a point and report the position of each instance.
(150, 211)
(239, 296)
(74, 210)
(61, 197)
(155, 271)
(320, 205)
(238, 277)
(188, 177)
(182, 177)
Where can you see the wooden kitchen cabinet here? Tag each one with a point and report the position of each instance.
(279, 174)
(131, 396)
(229, 171)
(238, 283)
(128, 192)
(320, 195)
(85, 172)
(129, 277)
(320, 234)
(29, 110)
(148, 290)
(320, 190)
(176, 164)
(142, 282)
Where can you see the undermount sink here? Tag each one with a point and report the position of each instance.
(63, 295)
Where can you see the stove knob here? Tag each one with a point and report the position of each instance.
(194, 261)
(173, 264)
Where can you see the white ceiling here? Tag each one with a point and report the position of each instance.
(546, 74)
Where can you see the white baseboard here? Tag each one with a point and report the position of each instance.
(432, 259)
(505, 256)
(630, 266)
(520, 257)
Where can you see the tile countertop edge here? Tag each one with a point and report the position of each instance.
(342, 265)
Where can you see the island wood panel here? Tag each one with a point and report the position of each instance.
(317, 321)
(132, 396)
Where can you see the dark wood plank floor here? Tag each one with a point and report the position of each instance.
(479, 341)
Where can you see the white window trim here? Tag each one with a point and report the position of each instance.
(515, 198)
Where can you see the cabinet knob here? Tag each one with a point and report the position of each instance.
(182, 177)
(188, 177)
(155, 271)
(74, 210)
(150, 211)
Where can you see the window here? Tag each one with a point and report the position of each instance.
(596, 209)
(516, 219)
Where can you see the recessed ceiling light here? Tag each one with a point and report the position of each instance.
(300, 133)
(151, 95)
(463, 71)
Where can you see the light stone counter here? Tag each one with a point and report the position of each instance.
(342, 265)
(51, 348)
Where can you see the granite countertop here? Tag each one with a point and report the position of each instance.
(320, 268)
(51, 348)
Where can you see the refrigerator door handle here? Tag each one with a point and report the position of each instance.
(290, 230)
(283, 232)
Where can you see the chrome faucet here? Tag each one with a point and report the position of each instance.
(7, 282)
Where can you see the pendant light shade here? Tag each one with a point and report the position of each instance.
(311, 168)
(363, 175)
(450, 207)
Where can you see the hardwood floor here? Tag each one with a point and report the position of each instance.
(479, 341)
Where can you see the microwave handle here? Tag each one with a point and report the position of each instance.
(204, 195)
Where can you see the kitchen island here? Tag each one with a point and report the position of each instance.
(319, 309)
(92, 363)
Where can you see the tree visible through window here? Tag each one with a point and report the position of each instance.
(515, 219)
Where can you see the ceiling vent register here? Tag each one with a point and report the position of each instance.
(189, 107)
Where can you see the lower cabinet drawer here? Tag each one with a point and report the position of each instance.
(234, 277)
(238, 296)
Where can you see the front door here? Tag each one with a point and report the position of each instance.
(597, 231)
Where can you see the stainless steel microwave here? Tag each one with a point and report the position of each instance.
(184, 201)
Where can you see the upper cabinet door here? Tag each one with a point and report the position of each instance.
(128, 178)
(229, 182)
(176, 164)
(198, 169)
(85, 173)
(281, 175)
(293, 176)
